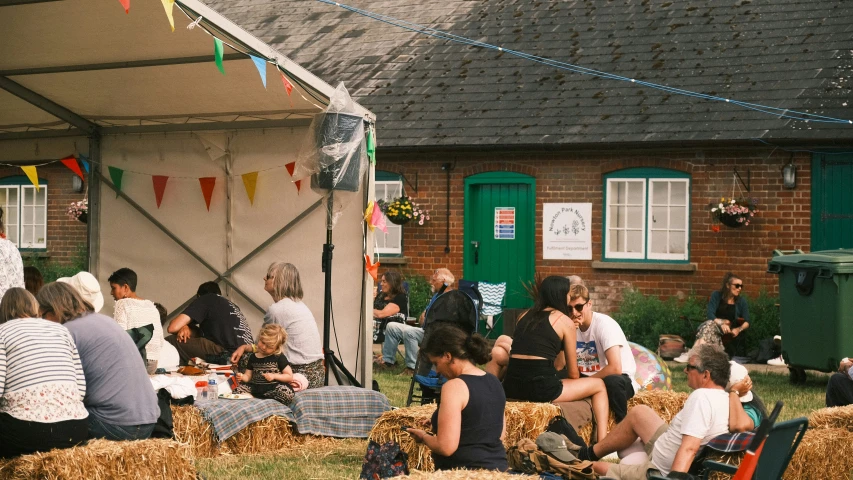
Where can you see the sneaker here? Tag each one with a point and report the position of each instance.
(682, 358)
(778, 361)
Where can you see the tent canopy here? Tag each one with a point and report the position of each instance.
(74, 67)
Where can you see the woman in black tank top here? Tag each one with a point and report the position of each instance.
(541, 335)
(468, 427)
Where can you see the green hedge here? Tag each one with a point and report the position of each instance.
(645, 317)
(51, 270)
(420, 291)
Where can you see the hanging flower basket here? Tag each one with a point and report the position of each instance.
(399, 211)
(79, 210)
(734, 213)
(84, 217)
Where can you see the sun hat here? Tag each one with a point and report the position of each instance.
(88, 287)
(556, 446)
(738, 373)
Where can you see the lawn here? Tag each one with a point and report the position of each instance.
(342, 459)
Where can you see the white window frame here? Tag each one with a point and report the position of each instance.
(646, 252)
(19, 207)
(386, 249)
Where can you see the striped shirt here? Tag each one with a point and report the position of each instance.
(41, 377)
(132, 313)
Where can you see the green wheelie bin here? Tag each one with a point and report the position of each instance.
(815, 309)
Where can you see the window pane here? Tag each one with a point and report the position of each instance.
(660, 193)
(659, 219)
(635, 193)
(41, 195)
(658, 241)
(616, 241)
(678, 217)
(677, 242)
(393, 238)
(39, 214)
(28, 195)
(3, 196)
(678, 193)
(634, 241)
(621, 215)
(27, 236)
(635, 217)
(12, 233)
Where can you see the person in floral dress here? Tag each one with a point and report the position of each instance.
(11, 265)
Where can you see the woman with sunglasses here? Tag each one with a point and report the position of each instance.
(541, 334)
(727, 317)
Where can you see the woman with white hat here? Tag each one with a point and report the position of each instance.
(11, 265)
(741, 395)
(88, 287)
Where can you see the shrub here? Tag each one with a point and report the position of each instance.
(420, 292)
(51, 269)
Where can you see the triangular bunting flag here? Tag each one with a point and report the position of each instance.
(33, 175)
(261, 65)
(250, 181)
(213, 144)
(371, 146)
(126, 5)
(298, 186)
(368, 216)
(168, 4)
(378, 219)
(207, 184)
(72, 165)
(116, 174)
(371, 268)
(217, 53)
(159, 187)
(291, 167)
(288, 87)
(85, 160)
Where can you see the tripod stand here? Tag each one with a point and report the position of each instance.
(332, 363)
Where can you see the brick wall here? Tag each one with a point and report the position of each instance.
(783, 221)
(64, 235)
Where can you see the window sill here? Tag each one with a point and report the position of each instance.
(34, 254)
(392, 260)
(659, 267)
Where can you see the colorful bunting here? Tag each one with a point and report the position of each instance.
(159, 187)
(261, 65)
(168, 4)
(126, 5)
(371, 268)
(85, 161)
(298, 185)
(291, 167)
(214, 144)
(72, 165)
(288, 87)
(250, 181)
(33, 175)
(368, 216)
(116, 174)
(371, 146)
(217, 53)
(207, 184)
(378, 219)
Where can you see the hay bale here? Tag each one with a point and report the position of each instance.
(466, 475)
(727, 458)
(834, 417)
(104, 459)
(523, 420)
(271, 434)
(821, 455)
(665, 403)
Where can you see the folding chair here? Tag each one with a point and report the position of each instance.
(493, 299)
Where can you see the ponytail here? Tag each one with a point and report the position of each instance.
(448, 338)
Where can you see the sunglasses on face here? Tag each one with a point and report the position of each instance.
(579, 307)
(691, 367)
(737, 285)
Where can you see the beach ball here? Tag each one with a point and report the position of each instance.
(652, 372)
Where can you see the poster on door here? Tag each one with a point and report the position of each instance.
(504, 223)
(567, 231)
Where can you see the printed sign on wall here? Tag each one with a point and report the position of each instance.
(567, 231)
(504, 223)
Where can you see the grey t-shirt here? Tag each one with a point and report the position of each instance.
(303, 344)
(118, 390)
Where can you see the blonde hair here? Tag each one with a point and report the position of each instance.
(273, 336)
(578, 291)
(64, 301)
(445, 276)
(18, 303)
(285, 281)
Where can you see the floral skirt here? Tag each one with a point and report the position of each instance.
(314, 372)
(710, 333)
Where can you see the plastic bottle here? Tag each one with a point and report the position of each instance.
(213, 390)
(201, 390)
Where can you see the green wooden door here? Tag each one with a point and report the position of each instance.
(500, 209)
(832, 202)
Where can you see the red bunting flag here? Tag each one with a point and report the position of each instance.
(126, 5)
(207, 184)
(291, 167)
(72, 165)
(298, 185)
(371, 268)
(287, 86)
(160, 187)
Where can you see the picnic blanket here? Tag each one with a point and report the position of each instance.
(227, 417)
(338, 411)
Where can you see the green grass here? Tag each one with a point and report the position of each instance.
(343, 460)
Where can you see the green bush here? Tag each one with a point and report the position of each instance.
(420, 291)
(51, 269)
(644, 318)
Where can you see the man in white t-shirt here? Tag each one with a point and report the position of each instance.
(671, 448)
(603, 351)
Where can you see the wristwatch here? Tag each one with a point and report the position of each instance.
(735, 392)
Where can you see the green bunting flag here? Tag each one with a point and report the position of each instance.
(371, 147)
(217, 51)
(116, 174)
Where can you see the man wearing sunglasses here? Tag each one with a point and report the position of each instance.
(603, 351)
(672, 448)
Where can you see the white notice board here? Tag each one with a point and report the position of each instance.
(504, 223)
(566, 231)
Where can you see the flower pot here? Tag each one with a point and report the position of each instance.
(83, 217)
(732, 221)
(399, 220)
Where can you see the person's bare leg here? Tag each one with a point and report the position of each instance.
(500, 357)
(578, 389)
(642, 422)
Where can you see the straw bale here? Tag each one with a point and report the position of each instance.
(271, 434)
(523, 420)
(466, 475)
(822, 454)
(727, 458)
(103, 460)
(834, 417)
(665, 403)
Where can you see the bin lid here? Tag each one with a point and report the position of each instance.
(837, 261)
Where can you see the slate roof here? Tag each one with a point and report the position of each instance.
(795, 54)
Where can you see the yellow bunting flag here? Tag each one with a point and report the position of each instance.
(250, 181)
(32, 175)
(168, 5)
(368, 215)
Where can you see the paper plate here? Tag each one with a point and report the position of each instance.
(235, 396)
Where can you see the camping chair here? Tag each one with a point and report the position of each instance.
(493, 299)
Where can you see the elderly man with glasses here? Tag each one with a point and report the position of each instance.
(671, 448)
(411, 337)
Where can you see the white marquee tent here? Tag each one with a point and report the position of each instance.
(125, 91)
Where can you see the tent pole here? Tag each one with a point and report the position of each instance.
(93, 225)
(48, 106)
(229, 207)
